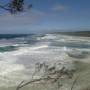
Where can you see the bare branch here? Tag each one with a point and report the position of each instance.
(20, 85)
(32, 81)
(74, 82)
(4, 8)
(53, 78)
(15, 6)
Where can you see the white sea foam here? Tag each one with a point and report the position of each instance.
(39, 47)
(49, 36)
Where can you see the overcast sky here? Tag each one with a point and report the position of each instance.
(47, 15)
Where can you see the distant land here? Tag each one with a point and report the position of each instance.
(76, 33)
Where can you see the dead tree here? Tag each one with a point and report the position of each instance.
(54, 77)
(15, 6)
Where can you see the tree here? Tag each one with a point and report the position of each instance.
(15, 6)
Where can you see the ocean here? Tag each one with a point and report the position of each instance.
(19, 55)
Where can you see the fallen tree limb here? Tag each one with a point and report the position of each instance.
(53, 77)
(74, 82)
(21, 85)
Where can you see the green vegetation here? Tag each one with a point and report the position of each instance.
(77, 33)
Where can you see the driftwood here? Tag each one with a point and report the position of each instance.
(74, 82)
(21, 85)
(52, 77)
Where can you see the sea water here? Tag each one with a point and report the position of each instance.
(19, 55)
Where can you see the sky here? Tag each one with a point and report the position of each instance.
(47, 16)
